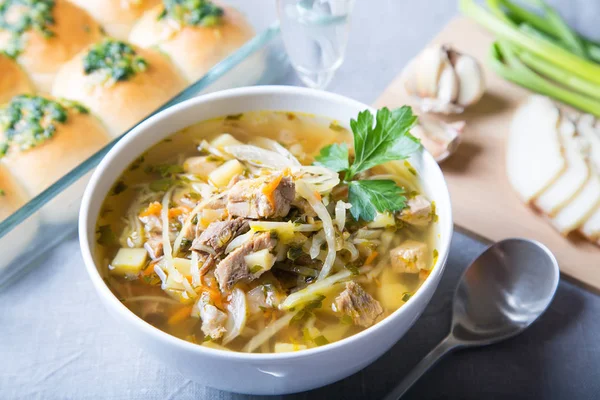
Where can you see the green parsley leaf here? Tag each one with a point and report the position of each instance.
(334, 157)
(369, 197)
(389, 140)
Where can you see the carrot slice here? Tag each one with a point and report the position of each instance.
(180, 315)
(153, 208)
(270, 187)
(371, 258)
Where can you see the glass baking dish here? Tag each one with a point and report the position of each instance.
(51, 216)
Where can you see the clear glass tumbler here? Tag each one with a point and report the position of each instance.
(315, 34)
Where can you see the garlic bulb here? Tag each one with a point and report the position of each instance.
(439, 138)
(444, 80)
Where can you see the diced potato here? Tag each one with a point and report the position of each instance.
(224, 140)
(221, 176)
(390, 295)
(410, 257)
(382, 220)
(182, 265)
(260, 261)
(208, 215)
(201, 166)
(288, 347)
(285, 230)
(128, 262)
(335, 332)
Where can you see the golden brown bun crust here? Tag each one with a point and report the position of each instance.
(13, 80)
(37, 168)
(116, 16)
(42, 57)
(194, 49)
(122, 104)
(12, 197)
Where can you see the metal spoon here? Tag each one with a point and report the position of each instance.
(499, 295)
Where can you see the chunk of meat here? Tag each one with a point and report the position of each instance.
(154, 246)
(206, 262)
(410, 257)
(213, 319)
(233, 268)
(257, 198)
(358, 304)
(418, 211)
(218, 235)
(216, 203)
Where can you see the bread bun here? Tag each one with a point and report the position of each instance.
(38, 158)
(120, 101)
(19, 239)
(116, 16)
(12, 195)
(13, 80)
(42, 49)
(193, 48)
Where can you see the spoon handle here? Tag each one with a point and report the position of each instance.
(445, 346)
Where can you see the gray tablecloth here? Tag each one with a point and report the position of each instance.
(57, 342)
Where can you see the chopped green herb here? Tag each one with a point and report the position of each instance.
(20, 16)
(117, 60)
(334, 157)
(321, 340)
(119, 187)
(352, 268)
(434, 216)
(161, 185)
(410, 168)
(377, 140)
(307, 311)
(137, 163)
(406, 296)
(234, 117)
(207, 338)
(346, 319)
(255, 269)
(193, 12)
(166, 170)
(294, 252)
(106, 236)
(193, 196)
(28, 121)
(369, 197)
(436, 254)
(195, 219)
(334, 126)
(2, 192)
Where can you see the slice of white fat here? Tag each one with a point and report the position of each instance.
(586, 128)
(572, 180)
(574, 214)
(591, 227)
(534, 158)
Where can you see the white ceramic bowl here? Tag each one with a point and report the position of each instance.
(258, 373)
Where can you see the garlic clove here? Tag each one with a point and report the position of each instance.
(439, 138)
(447, 85)
(471, 80)
(427, 70)
(443, 80)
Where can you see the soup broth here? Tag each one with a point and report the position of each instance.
(249, 261)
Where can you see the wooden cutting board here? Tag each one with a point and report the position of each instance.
(482, 199)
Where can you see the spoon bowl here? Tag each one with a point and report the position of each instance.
(503, 291)
(499, 295)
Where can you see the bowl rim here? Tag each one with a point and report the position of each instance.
(85, 220)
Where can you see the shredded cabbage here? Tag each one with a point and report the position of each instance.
(305, 190)
(268, 332)
(237, 310)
